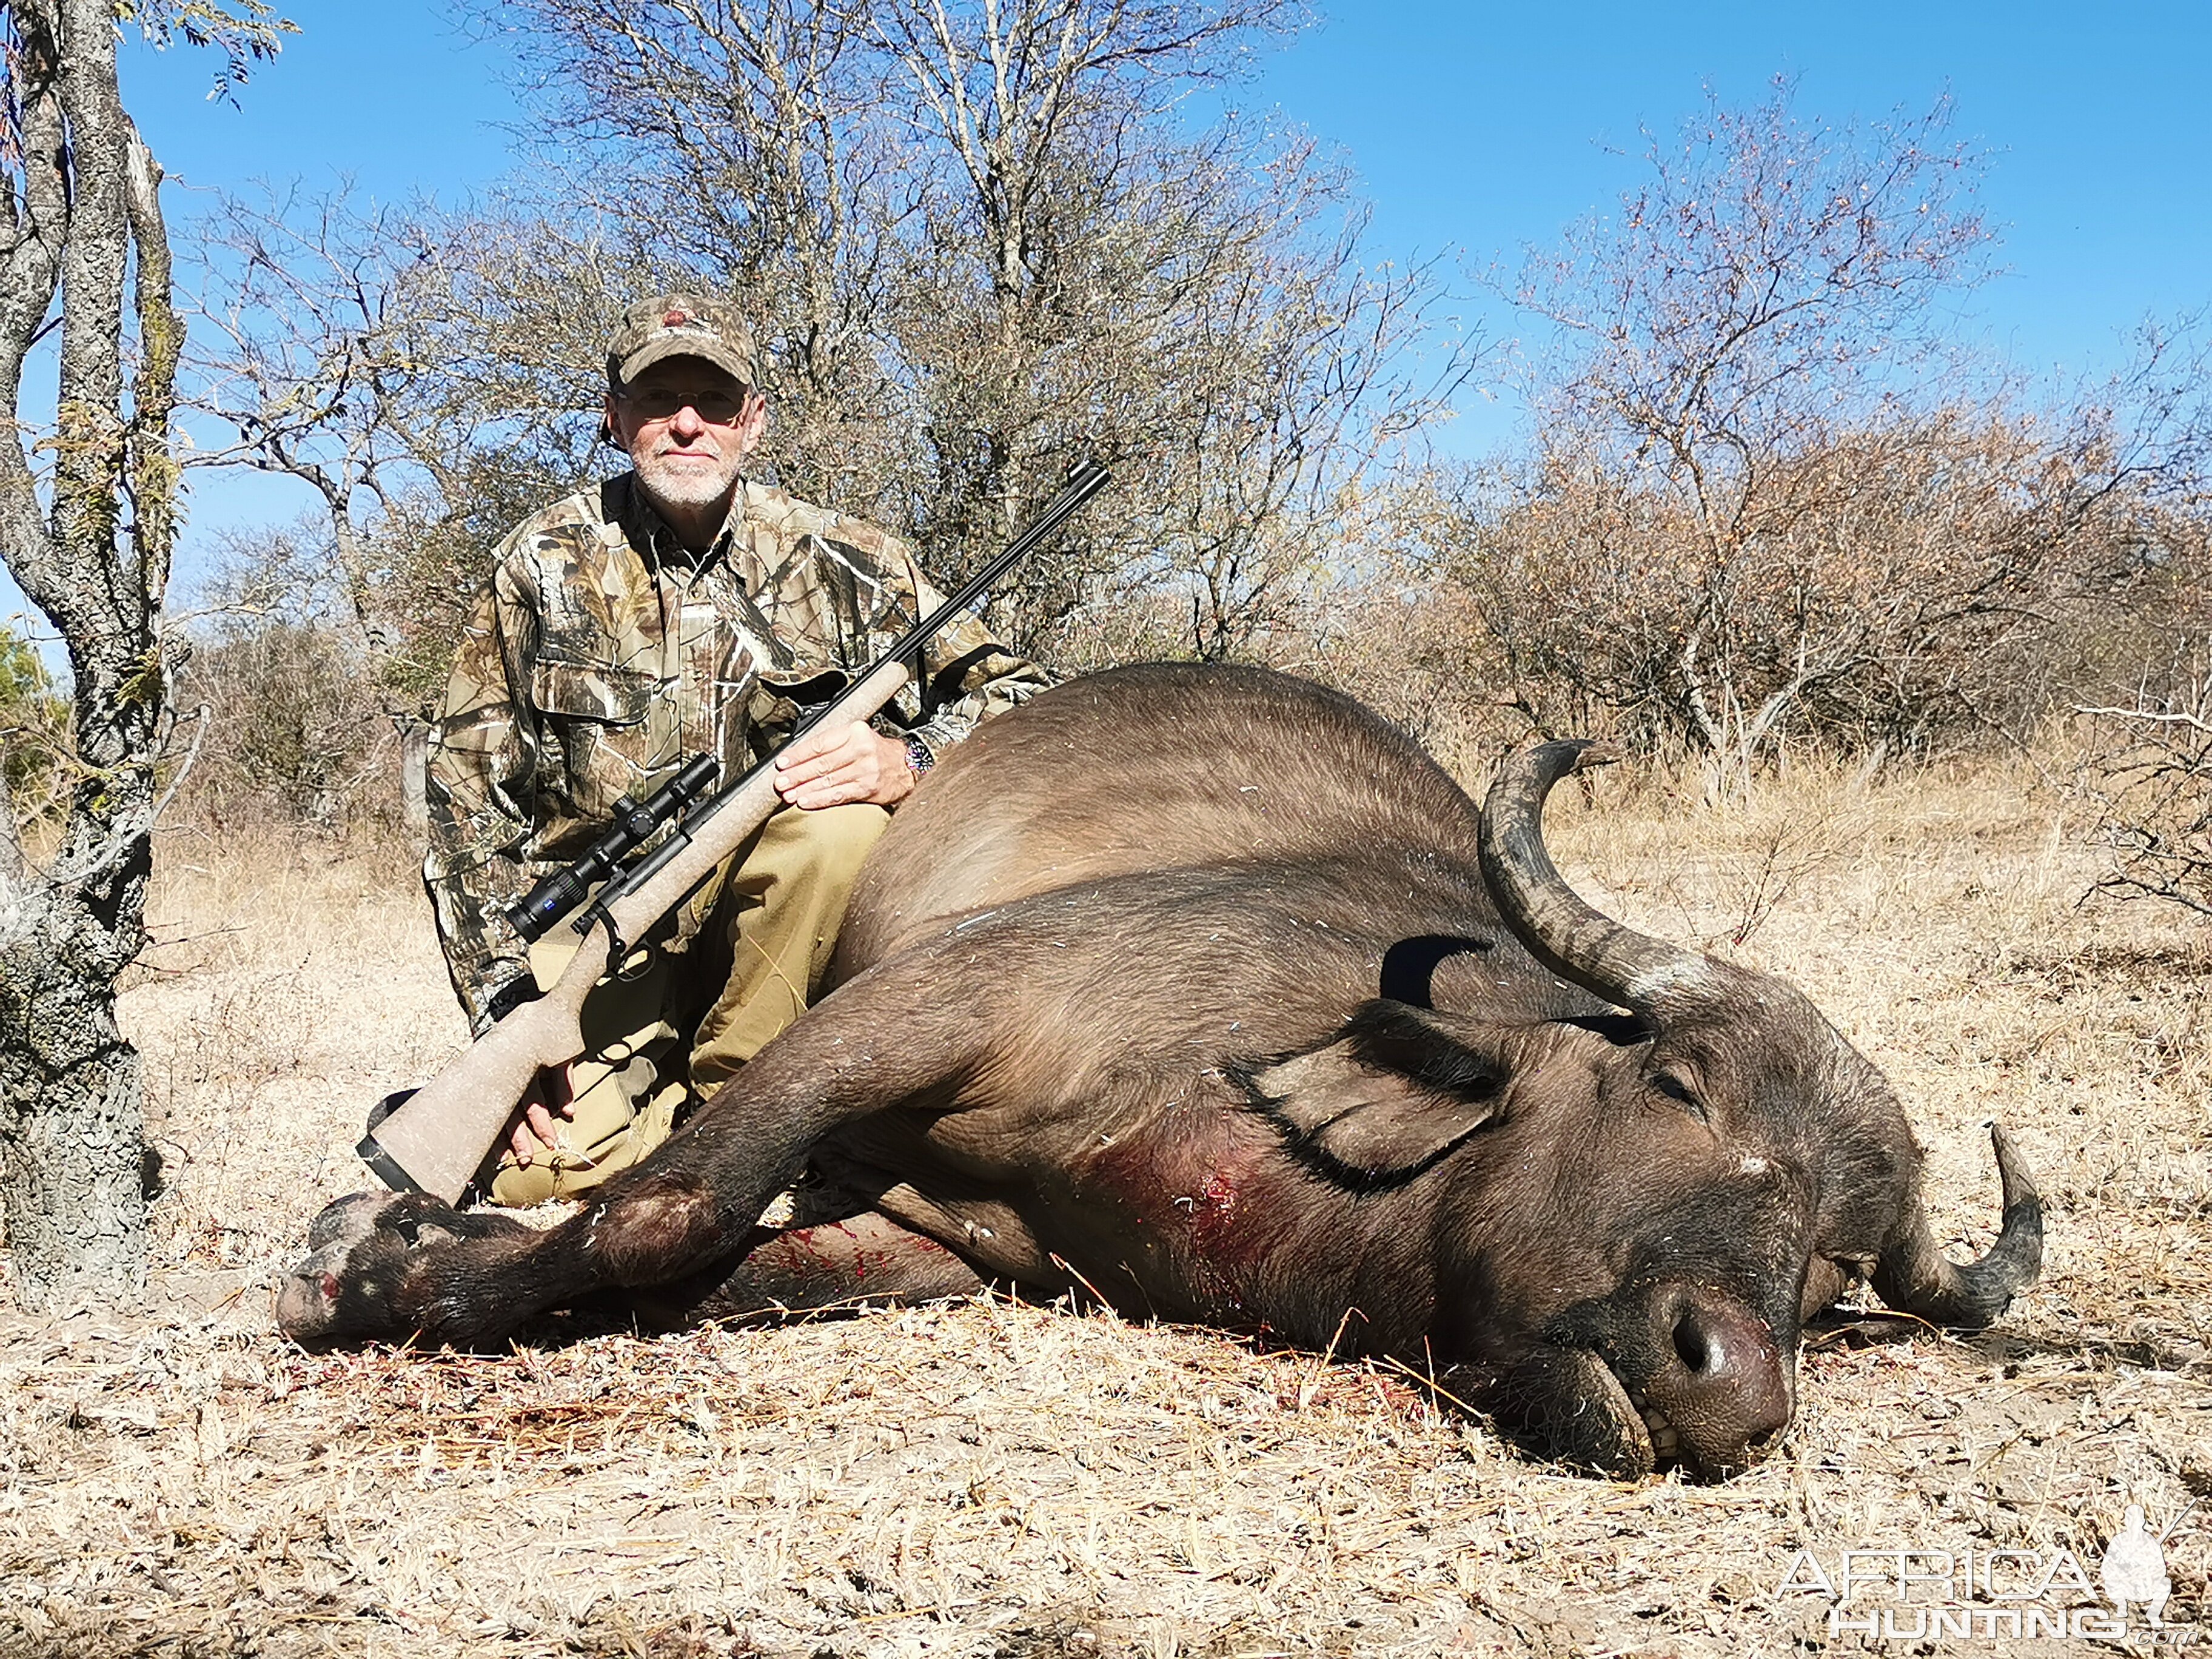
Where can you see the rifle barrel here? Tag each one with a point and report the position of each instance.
(1085, 482)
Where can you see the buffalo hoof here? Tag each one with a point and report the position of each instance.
(349, 1221)
(372, 1258)
(308, 1299)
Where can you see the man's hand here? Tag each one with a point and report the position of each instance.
(535, 1131)
(843, 763)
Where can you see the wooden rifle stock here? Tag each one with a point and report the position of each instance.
(436, 1140)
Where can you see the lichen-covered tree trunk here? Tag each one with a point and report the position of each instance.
(70, 1115)
(92, 551)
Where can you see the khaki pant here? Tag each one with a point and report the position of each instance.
(740, 961)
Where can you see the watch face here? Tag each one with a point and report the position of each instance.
(918, 756)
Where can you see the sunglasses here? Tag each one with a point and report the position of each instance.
(661, 403)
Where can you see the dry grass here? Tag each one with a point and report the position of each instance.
(994, 1479)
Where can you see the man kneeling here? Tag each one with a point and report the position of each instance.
(676, 610)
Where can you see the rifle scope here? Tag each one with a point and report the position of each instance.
(564, 889)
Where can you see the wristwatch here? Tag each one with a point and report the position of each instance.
(918, 760)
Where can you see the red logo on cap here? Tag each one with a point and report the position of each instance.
(675, 319)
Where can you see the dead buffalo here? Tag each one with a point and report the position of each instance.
(1206, 991)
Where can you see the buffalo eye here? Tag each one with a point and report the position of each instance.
(1674, 1089)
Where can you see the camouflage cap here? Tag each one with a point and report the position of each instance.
(679, 325)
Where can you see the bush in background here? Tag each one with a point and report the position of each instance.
(35, 747)
(296, 733)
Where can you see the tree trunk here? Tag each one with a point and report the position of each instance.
(93, 555)
(70, 1120)
(415, 775)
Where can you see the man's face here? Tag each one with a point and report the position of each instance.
(687, 456)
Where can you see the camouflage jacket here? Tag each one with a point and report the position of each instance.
(603, 655)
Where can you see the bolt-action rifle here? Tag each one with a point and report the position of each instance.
(436, 1138)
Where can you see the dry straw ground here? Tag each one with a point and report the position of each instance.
(996, 1479)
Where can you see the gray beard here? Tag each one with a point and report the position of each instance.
(683, 490)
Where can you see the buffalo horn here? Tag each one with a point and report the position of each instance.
(1914, 1276)
(1627, 969)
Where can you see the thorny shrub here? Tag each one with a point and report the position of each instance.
(2152, 781)
(296, 732)
(1925, 579)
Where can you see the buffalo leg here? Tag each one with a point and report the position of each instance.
(863, 1260)
(393, 1272)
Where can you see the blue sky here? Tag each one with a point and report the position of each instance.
(1473, 129)
(1490, 127)
(1475, 126)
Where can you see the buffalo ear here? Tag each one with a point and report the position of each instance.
(1393, 1094)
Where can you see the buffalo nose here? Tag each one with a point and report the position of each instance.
(1723, 1388)
(1698, 1343)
